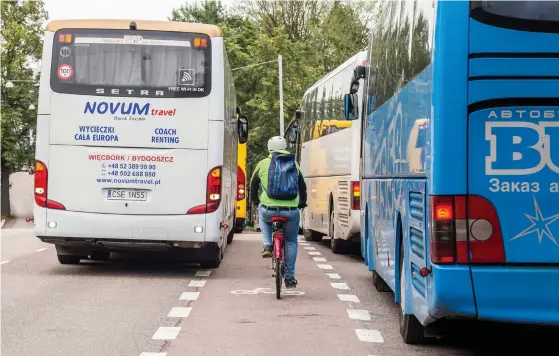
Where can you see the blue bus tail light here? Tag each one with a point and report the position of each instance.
(465, 229)
(443, 239)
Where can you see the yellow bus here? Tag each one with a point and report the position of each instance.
(241, 213)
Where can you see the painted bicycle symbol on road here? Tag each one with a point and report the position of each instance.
(266, 291)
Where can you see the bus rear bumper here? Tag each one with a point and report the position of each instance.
(450, 293)
(517, 294)
(61, 224)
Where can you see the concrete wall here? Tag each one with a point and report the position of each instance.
(21, 194)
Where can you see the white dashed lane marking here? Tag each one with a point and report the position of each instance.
(333, 275)
(319, 259)
(303, 243)
(368, 335)
(339, 285)
(309, 248)
(166, 333)
(358, 314)
(348, 298)
(179, 312)
(189, 296)
(325, 266)
(203, 273)
(197, 284)
(41, 249)
(314, 253)
(4, 262)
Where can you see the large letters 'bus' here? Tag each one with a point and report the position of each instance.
(461, 161)
(137, 136)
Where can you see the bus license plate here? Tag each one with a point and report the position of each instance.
(127, 194)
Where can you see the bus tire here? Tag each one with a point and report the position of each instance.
(379, 283)
(214, 261)
(338, 246)
(410, 328)
(68, 259)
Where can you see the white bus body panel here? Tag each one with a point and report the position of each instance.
(208, 139)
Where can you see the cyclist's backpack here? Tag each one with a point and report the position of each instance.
(283, 177)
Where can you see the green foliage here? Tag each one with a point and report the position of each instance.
(314, 37)
(22, 34)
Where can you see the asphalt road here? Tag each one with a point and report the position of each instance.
(152, 308)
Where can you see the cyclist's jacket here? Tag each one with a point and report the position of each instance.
(260, 180)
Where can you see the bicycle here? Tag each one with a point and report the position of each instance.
(278, 252)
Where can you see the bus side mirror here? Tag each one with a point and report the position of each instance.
(292, 135)
(351, 107)
(360, 72)
(242, 127)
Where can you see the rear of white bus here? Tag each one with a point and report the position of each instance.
(130, 144)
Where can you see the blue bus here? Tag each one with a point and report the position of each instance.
(460, 161)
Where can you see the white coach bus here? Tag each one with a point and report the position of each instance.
(137, 135)
(328, 148)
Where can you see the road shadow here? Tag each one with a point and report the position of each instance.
(128, 265)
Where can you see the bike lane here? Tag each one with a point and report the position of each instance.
(237, 313)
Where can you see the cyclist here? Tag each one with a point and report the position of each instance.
(285, 199)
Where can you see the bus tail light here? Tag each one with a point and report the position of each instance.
(213, 194)
(41, 188)
(355, 196)
(486, 239)
(465, 229)
(241, 184)
(443, 239)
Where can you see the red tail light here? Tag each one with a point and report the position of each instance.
(465, 229)
(443, 238)
(241, 184)
(41, 188)
(355, 196)
(213, 194)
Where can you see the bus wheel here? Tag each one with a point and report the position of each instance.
(379, 283)
(410, 328)
(231, 235)
(69, 259)
(214, 261)
(338, 246)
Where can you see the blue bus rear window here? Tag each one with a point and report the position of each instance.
(524, 10)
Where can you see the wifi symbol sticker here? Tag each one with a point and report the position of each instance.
(186, 76)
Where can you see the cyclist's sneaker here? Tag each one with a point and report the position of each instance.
(290, 282)
(267, 251)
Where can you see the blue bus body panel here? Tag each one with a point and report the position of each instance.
(432, 138)
(450, 292)
(518, 294)
(488, 67)
(491, 39)
(513, 162)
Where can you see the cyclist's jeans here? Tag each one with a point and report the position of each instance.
(291, 230)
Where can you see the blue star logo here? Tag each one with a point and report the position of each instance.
(539, 225)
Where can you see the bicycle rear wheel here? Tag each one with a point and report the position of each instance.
(278, 278)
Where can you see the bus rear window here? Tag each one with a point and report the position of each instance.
(131, 63)
(525, 10)
(535, 16)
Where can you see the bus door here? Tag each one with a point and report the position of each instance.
(512, 210)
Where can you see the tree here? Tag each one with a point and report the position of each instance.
(313, 37)
(21, 33)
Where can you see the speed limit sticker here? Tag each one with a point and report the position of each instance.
(65, 71)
